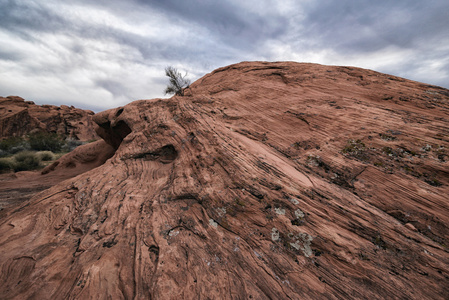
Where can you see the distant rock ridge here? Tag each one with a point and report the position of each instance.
(19, 117)
(265, 181)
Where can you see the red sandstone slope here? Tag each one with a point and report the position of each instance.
(19, 117)
(267, 180)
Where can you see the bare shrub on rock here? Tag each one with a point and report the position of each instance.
(178, 82)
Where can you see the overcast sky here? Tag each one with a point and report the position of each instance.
(105, 53)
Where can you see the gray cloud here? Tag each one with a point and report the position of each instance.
(102, 54)
(356, 26)
(18, 15)
(226, 19)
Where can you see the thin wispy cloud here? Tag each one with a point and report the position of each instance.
(102, 54)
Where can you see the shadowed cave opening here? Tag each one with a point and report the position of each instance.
(113, 135)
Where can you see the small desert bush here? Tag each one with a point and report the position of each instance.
(25, 161)
(177, 82)
(10, 142)
(13, 145)
(5, 165)
(46, 155)
(43, 141)
(40, 141)
(28, 153)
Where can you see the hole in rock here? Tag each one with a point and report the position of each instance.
(119, 112)
(121, 129)
(114, 135)
(165, 154)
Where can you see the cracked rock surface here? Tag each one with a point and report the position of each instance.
(265, 181)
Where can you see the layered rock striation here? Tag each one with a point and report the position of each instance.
(265, 181)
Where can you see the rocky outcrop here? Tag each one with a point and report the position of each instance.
(19, 117)
(82, 159)
(265, 181)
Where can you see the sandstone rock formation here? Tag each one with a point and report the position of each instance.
(266, 181)
(19, 117)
